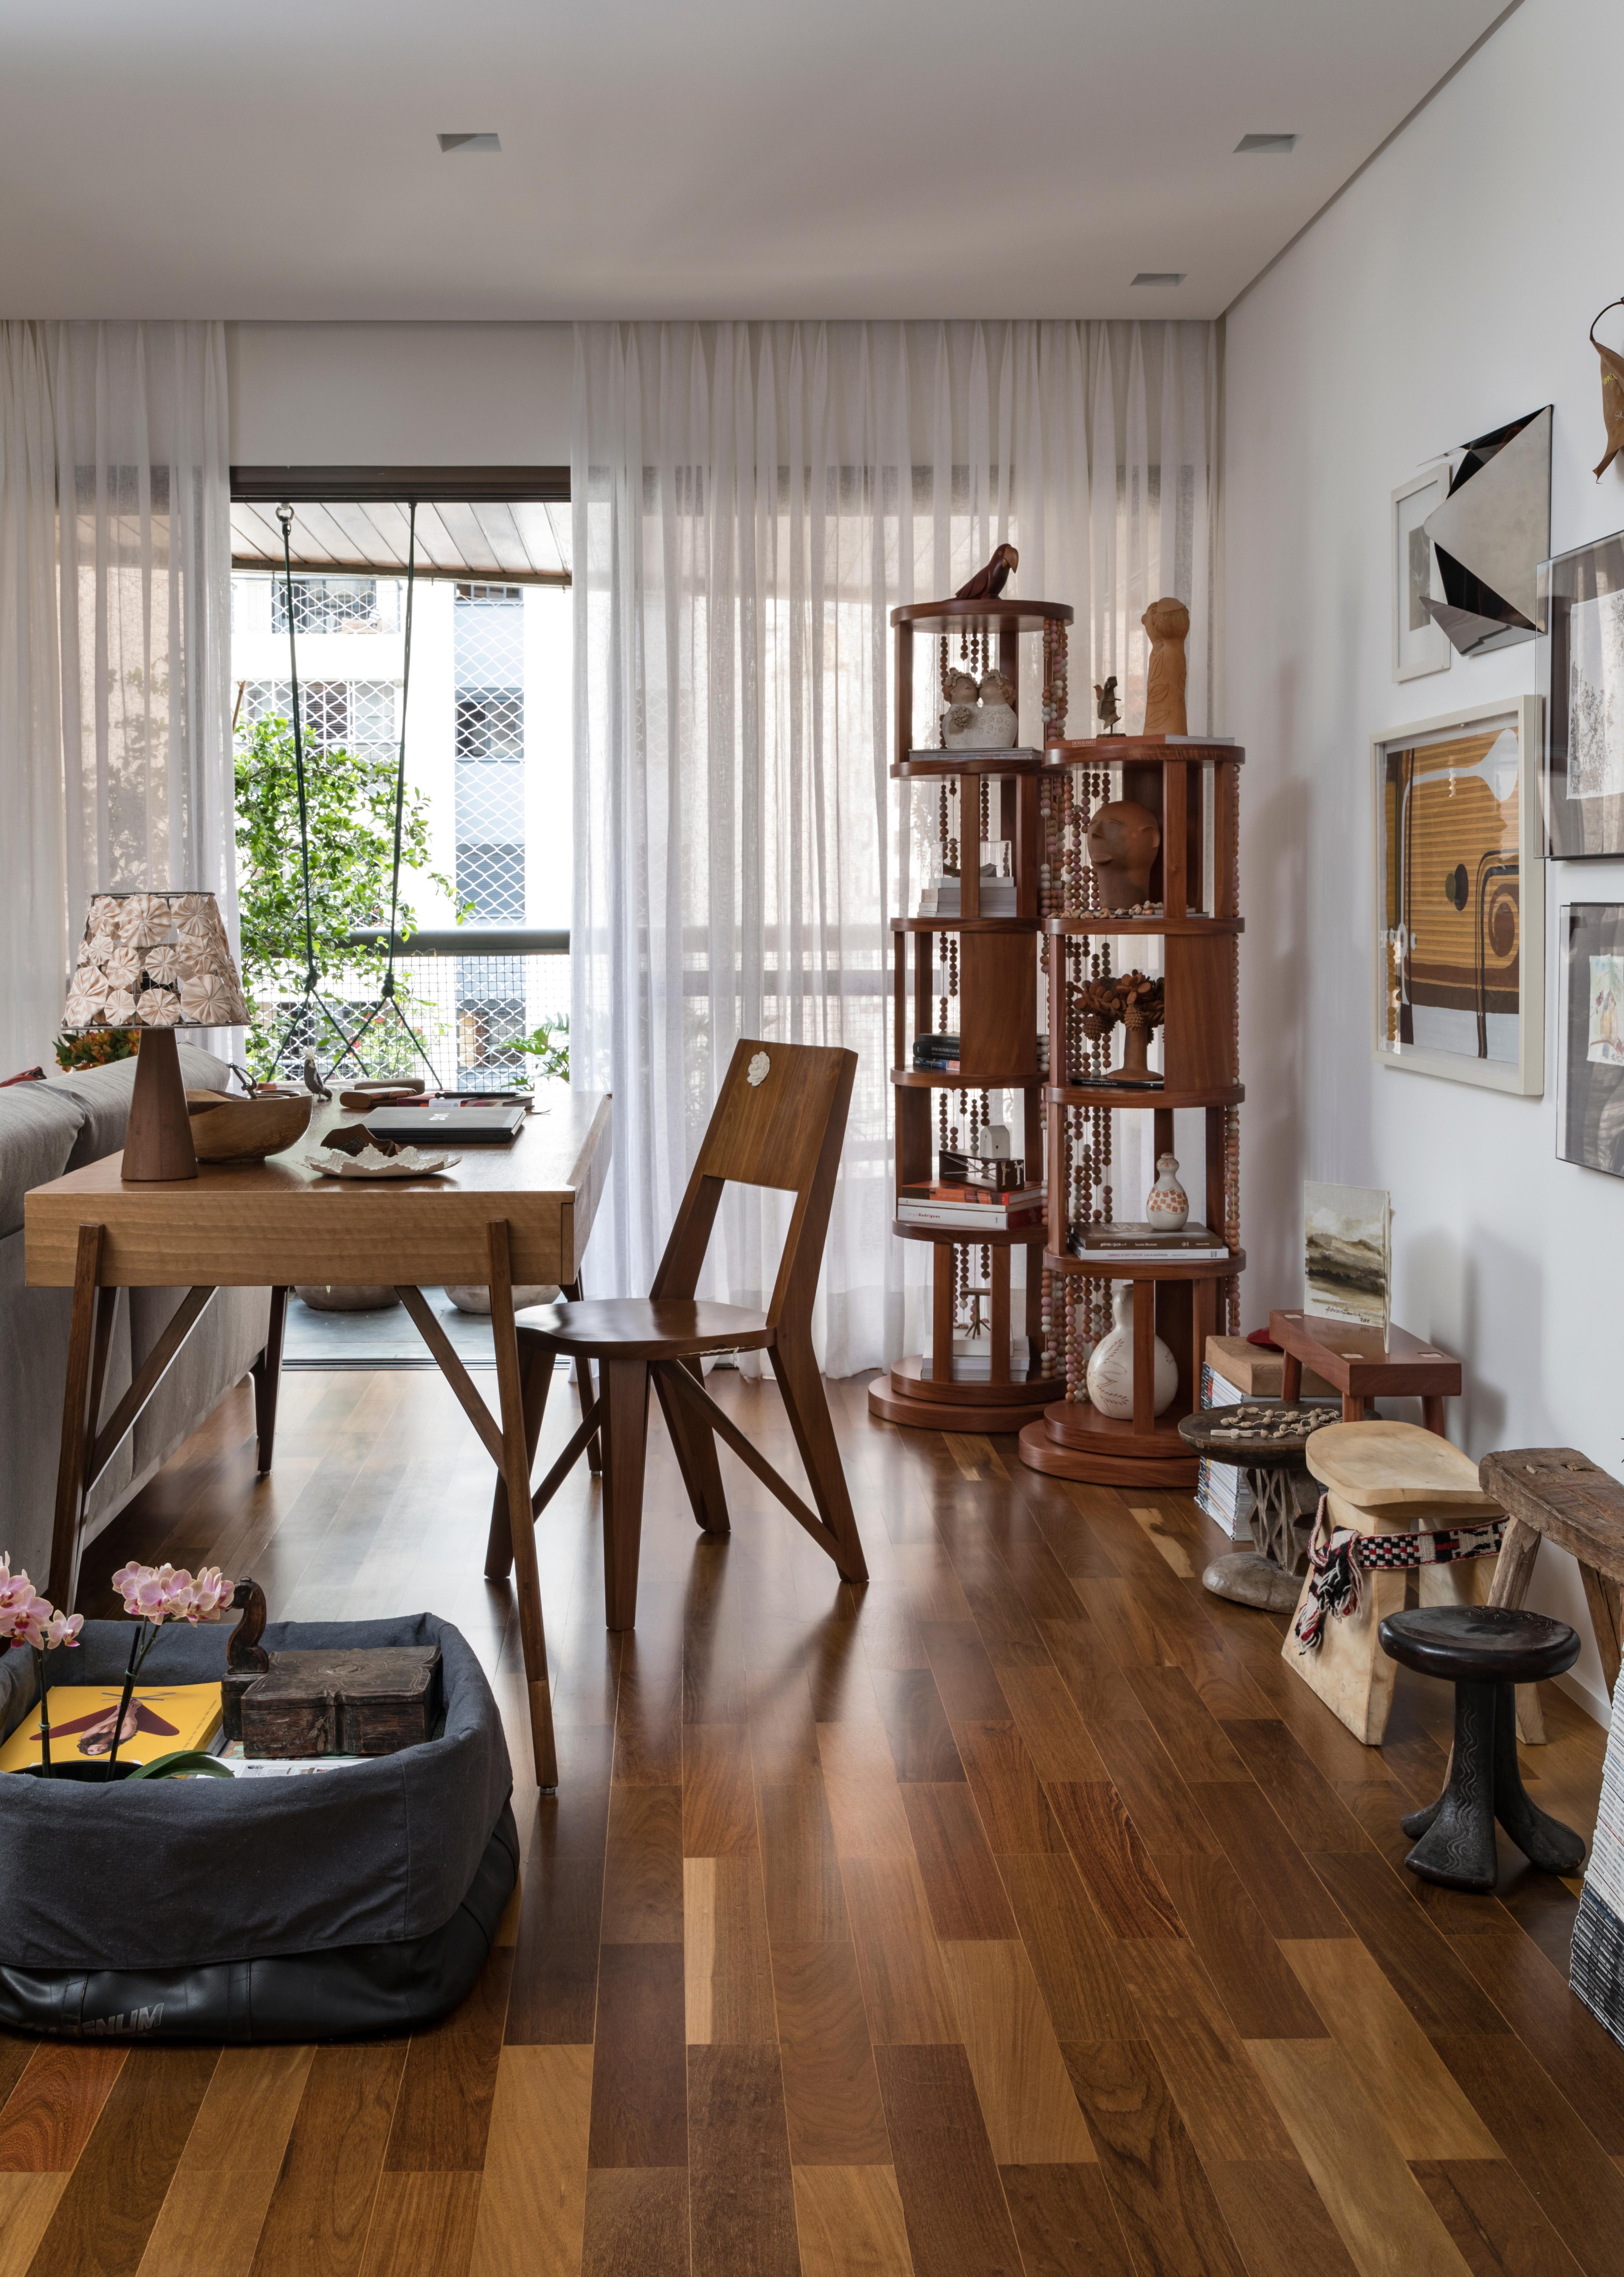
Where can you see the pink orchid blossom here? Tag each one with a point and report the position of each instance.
(154, 1594)
(63, 1629)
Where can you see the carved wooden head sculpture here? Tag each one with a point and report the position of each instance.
(1123, 841)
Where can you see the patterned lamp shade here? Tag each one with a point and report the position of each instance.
(155, 961)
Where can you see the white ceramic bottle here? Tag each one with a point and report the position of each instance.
(1167, 1206)
(1111, 1363)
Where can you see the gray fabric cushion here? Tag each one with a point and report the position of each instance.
(219, 1352)
(40, 1123)
(103, 1093)
(169, 1874)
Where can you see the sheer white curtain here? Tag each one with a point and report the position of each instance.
(115, 748)
(750, 503)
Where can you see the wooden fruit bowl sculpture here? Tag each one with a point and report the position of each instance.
(229, 1130)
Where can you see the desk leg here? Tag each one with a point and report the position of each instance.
(516, 1477)
(1432, 1414)
(267, 1379)
(1290, 1377)
(87, 1359)
(572, 1294)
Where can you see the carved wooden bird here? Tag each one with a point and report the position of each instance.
(990, 580)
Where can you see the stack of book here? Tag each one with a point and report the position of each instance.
(1135, 1242)
(972, 1359)
(969, 1210)
(936, 1055)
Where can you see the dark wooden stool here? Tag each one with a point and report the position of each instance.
(1484, 1651)
(1265, 1439)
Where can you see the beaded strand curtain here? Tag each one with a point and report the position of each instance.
(750, 503)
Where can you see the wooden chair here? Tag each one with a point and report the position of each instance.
(779, 1122)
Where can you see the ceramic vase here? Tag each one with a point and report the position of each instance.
(1167, 1206)
(1110, 1364)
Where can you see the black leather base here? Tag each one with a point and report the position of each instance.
(312, 1996)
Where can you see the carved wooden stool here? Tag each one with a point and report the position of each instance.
(1484, 1651)
(1384, 1479)
(1265, 1439)
(1556, 1492)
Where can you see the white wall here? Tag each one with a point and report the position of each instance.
(1450, 289)
(369, 395)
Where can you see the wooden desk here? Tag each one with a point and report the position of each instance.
(519, 1212)
(1355, 1362)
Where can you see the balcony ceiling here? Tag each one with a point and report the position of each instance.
(184, 158)
(521, 543)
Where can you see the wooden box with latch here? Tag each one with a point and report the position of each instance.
(356, 1701)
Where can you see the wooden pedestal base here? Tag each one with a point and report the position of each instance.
(906, 1395)
(1074, 1441)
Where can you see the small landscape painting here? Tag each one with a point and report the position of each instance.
(1347, 1254)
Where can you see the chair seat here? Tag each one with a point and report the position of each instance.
(1479, 1644)
(646, 1328)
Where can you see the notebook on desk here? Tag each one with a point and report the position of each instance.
(446, 1122)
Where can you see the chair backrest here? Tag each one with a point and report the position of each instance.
(779, 1121)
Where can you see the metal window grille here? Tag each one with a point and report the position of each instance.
(488, 626)
(469, 1011)
(354, 715)
(337, 605)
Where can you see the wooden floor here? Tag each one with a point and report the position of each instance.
(1022, 1913)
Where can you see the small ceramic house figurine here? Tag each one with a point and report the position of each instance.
(1111, 1363)
(1167, 1206)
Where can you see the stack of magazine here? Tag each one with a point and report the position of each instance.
(1135, 1242)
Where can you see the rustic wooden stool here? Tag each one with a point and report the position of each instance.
(1265, 1439)
(1560, 1492)
(1385, 1478)
(1364, 1365)
(1483, 1651)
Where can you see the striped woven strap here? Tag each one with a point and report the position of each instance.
(1337, 1554)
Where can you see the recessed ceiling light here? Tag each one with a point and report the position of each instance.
(450, 143)
(1161, 277)
(1275, 146)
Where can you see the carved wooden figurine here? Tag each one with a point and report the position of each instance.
(990, 580)
(1168, 623)
(1123, 841)
(1106, 704)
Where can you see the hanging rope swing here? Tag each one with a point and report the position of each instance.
(311, 1001)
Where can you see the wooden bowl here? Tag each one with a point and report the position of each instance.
(229, 1130)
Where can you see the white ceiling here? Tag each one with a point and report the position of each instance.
(724, 157)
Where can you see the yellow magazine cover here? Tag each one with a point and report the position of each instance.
(161, 1718)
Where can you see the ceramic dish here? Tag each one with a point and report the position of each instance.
(410, 1162)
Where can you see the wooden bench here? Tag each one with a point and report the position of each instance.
(1557, 1492)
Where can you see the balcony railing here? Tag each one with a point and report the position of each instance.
(469, 994)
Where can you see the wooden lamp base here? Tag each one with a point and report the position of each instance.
(157, 1139)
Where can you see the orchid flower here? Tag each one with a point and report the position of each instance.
(28, 1618)
(154, 1594)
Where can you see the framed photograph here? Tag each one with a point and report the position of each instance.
(1590, 1041)
(1459, 928)
(1348, 1254)
(1419, 645)
(1581, 660)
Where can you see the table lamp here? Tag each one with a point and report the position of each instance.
(156, 962)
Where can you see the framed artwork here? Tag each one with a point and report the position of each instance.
(1580, 656)
(1460, 970)
(1591, 1042)
(1419, 644)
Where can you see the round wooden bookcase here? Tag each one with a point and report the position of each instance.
(995, 960)
(1192, 788)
